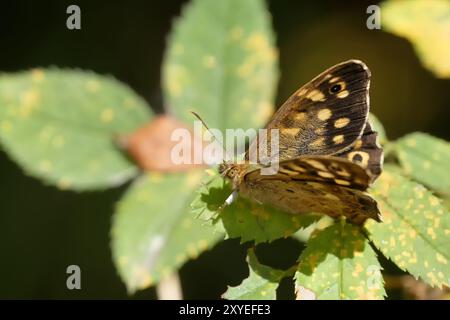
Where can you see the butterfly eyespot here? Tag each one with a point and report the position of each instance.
(335, 88)
(357, 157)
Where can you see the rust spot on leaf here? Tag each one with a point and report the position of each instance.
(150, 146)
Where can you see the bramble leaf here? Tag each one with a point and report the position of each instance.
(261, 284)
(339, 263)
(221, 63)
(426, 159)
(210, 197)
(244, 218)
(153, 231)
(427, 25)
(254, 287)
(251, 221)
(59, 125)
(415, 229)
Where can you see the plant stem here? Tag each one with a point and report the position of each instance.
(169, 288)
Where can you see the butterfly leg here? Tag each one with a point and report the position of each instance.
(230, 199)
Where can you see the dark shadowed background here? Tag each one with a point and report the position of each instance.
(44, 230)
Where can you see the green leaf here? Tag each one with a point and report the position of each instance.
(267, 272)
(427, 25)
(339, 263)
(251, 221)
(59, 125)
(304, 234)
(221, 63)
(426, 159)
(261, 283)
(254, 287)
(415, 229)
(153, 231)
(244, 218)
(210, 197)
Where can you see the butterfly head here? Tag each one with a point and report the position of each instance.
(231, 171)
(227, 169)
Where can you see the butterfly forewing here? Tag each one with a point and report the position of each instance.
(324, 117)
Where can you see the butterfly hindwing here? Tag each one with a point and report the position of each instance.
(308, 196)
(367, 153)
(322, 184)
(325, 116)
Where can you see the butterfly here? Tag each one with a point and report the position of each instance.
(328, 153)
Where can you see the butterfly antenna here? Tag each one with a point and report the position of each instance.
(209, 130)
(201, 120)
(204, 124)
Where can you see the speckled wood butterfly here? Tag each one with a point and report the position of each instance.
(328, 153)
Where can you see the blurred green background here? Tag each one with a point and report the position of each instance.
(44, 230)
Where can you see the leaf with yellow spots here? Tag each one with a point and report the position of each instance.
(339, 263)
(251, 221)
(243, 218)
(261, 284)
(154, 233)
(415, 229)
(59, 125)
(303, 235)
(222, 63)
(426, 159)
(246, 219)
(427, 25)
